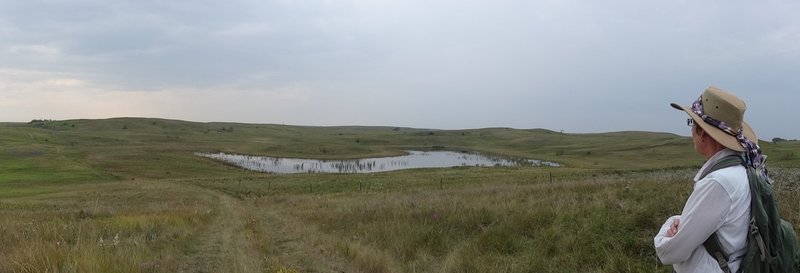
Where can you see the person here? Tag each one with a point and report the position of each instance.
(720, 200)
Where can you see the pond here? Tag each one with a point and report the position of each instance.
(414, 159)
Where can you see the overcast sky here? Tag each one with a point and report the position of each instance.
(577, 66)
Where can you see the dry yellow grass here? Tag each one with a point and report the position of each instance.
(491, 220)
(140, 226)
(165, 210)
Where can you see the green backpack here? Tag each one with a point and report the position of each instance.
(772, 242)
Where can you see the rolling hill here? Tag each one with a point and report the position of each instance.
(130, 148)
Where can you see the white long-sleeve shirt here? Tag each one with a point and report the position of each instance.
(720, 203)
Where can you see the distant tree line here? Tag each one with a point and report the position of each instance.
(49, 122)
(40, 122)
(777, 139)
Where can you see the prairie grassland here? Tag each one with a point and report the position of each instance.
(138, 148)
(447, 220)
(127, 195)
(107, 227)
(498, 221)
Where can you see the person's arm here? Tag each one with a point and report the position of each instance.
(664, 232)
(702, 215)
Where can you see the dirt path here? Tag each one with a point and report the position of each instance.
(288, 242)
(252, 236)
(224, 245)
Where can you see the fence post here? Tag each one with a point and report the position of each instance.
(440, 183)
(551, 177)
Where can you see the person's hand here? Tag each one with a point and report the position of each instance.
(673, 229)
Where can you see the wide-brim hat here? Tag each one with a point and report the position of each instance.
(726, 107)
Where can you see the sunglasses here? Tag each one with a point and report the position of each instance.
(689, 122)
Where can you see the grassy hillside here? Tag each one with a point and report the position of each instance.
(128, 195)
(130, 148)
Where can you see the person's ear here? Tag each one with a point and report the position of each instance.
(702, 134)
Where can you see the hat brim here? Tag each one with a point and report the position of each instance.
(720, 136)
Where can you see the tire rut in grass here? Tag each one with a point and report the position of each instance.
(223, 244)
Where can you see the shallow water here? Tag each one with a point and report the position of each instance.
(414, 159)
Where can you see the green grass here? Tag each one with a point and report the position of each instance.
(128, 195)
(130, 148)
(481, 220)
(110, 227)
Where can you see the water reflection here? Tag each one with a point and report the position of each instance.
(414, 159)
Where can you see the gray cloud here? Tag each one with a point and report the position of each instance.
(581, 66)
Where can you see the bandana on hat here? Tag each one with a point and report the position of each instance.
(755, 158)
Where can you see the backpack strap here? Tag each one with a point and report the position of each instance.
(714, 248)
(712, 244)
(725, 162)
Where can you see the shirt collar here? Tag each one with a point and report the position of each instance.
(713, 160)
